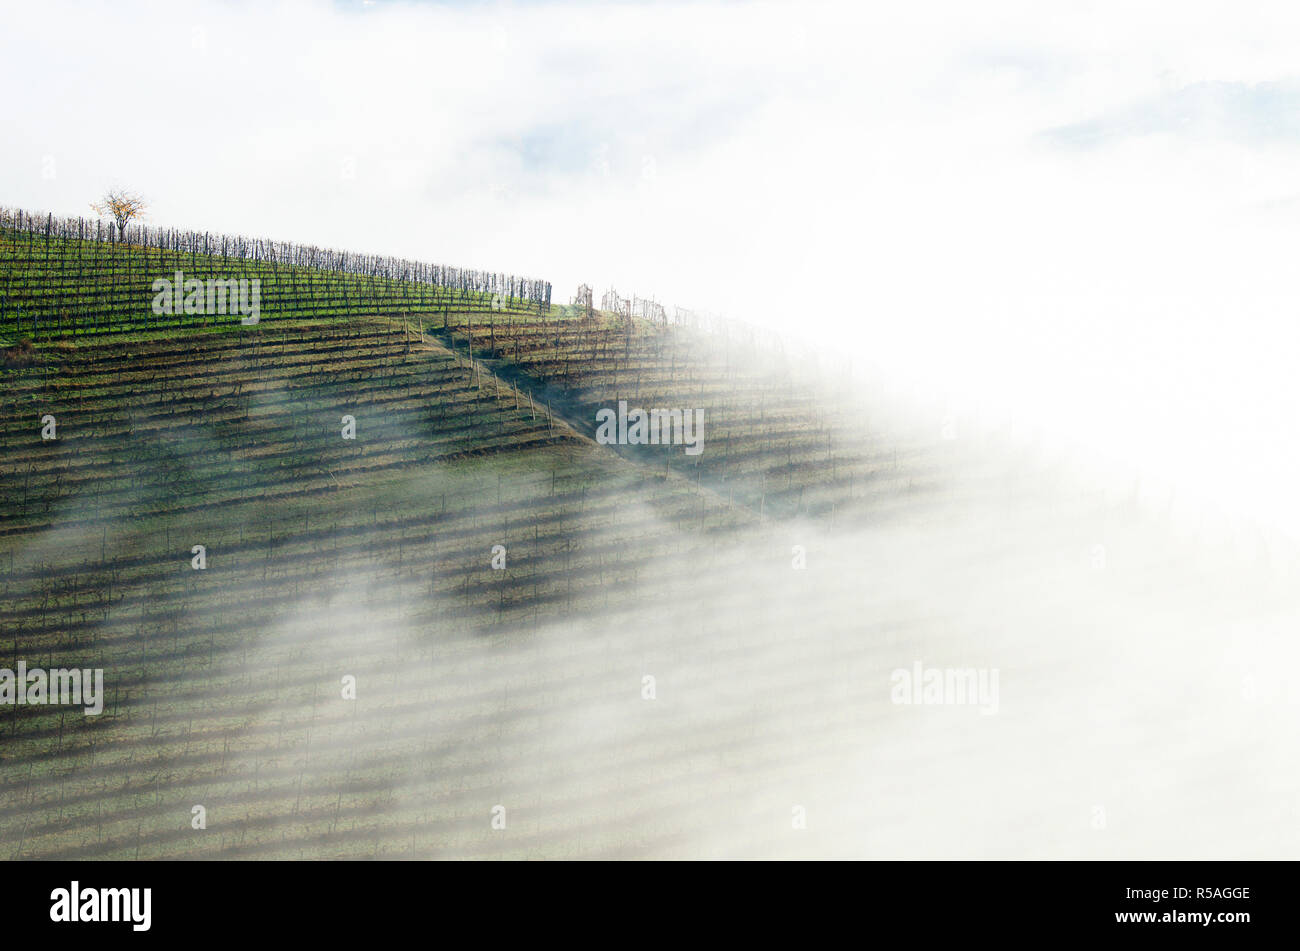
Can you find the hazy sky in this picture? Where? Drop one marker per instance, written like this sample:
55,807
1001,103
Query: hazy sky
1077,216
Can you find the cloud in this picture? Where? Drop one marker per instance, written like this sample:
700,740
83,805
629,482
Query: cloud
1252,114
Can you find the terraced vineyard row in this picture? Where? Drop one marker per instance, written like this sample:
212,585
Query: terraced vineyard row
53,286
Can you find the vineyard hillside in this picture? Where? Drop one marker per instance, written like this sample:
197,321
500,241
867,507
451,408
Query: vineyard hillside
363,582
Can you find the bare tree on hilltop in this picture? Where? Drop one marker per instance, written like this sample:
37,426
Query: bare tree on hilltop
122,206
